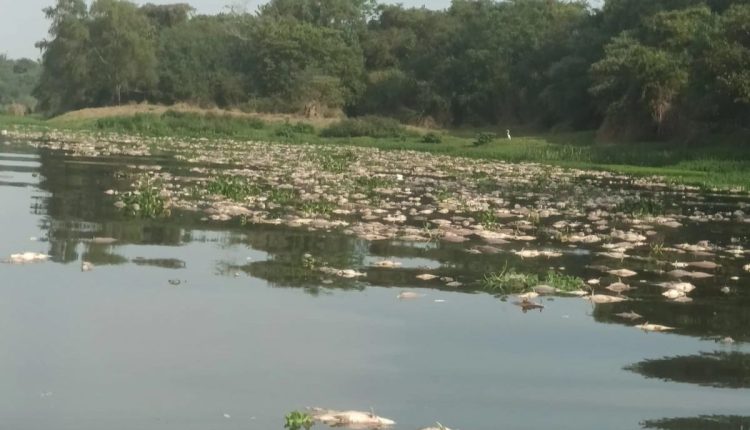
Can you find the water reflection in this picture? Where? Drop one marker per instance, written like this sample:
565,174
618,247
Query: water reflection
703,422
713,369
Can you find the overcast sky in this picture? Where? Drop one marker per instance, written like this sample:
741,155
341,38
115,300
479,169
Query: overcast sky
22,22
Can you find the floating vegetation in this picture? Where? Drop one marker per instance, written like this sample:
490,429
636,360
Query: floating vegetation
146,202
297,420
233,187
509,281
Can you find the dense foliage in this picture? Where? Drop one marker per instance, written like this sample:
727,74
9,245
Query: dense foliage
634,68
17,80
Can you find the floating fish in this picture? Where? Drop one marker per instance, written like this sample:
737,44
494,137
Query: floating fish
708,265
426,277
527,305
408,295
622,273
619,287
673,294
27,258
654,327
629,315
603,298
348,418
387,264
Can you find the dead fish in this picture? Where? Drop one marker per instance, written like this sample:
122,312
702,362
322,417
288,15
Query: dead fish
103,240
685,287
528,305
700,275
578,293
673,294
345,418
619,287
437,426
86,266
599,268
726,341
426,277
454,284
27,258
746,267
527,253
678,273
528,296
622,273
683,299
408,295
594,281
387,264
629,315
654,327
349,274
485,249
708,265
603,298
544,289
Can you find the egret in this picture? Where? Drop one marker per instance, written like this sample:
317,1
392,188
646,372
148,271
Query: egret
508,133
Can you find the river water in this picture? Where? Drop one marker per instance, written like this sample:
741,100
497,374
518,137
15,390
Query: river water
189,324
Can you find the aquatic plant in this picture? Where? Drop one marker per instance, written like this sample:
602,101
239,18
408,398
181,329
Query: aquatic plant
282,196
487,219
641,207
145,202
296,420
316,208
234,188
510,281
334,162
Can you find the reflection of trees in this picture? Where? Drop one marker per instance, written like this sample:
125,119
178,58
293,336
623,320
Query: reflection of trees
76,209
704,422
715,369
727,316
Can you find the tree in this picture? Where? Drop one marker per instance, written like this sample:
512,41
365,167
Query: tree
123,51
65,60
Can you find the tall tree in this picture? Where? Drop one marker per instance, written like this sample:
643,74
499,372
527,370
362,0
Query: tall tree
65,60
123,51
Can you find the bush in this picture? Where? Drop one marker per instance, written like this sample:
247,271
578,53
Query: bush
367,126
432,138
290,130
484,139
185,123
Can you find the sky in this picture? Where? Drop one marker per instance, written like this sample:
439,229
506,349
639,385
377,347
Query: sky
22,23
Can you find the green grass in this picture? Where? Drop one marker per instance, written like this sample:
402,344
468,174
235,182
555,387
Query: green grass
144,203
718,163
510,281
234,188
175,123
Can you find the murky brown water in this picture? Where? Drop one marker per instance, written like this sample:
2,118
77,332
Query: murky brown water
186,323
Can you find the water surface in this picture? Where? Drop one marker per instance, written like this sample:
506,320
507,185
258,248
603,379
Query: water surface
190,324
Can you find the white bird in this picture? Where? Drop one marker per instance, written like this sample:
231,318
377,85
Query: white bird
508,133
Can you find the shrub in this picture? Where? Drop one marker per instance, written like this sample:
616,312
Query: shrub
290,130
484,139
432,138
367,126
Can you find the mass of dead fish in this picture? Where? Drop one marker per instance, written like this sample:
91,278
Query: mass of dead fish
487,207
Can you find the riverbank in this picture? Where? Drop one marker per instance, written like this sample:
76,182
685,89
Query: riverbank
719,164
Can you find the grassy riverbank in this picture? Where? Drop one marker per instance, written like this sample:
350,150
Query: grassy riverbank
720,163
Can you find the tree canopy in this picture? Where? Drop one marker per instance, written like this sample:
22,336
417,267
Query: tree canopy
633,68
